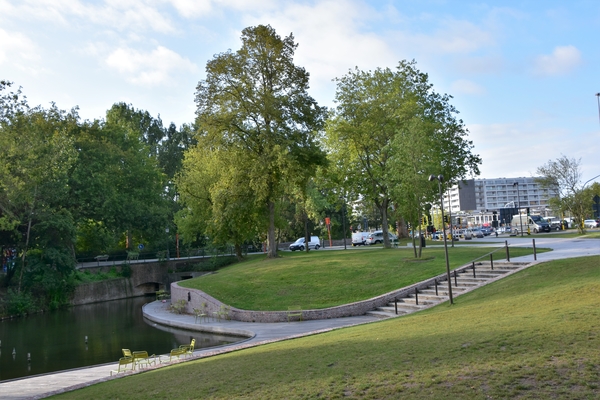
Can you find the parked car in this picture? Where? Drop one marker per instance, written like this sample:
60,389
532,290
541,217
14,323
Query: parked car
377,237
466,234
478,233
486,231
314,243
591,223
359,238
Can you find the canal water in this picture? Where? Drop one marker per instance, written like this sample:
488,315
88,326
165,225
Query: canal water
88,335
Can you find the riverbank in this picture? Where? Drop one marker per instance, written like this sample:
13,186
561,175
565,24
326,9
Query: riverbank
257,334
46,385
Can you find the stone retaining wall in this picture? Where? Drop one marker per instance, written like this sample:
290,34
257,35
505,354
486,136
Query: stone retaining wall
194,298
112,289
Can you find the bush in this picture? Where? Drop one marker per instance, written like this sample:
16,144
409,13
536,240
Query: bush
125,270
19,303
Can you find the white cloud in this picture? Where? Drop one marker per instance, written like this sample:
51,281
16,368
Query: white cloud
453,37
153,68
516,149
192,8
199,8
467,87
16,47
121,15
563,60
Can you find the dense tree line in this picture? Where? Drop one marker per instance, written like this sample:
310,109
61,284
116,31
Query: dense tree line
72,188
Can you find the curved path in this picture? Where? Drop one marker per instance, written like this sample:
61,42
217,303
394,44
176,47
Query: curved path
261,333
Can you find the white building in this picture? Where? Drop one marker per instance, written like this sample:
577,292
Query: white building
493,194
479,201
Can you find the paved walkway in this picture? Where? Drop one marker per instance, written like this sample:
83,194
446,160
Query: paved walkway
260,333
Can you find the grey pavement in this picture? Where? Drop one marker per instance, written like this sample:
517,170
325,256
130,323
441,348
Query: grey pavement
41,386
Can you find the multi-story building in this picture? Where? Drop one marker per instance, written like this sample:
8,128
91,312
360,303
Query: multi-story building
483,196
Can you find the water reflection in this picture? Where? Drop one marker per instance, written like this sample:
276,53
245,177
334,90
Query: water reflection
88,335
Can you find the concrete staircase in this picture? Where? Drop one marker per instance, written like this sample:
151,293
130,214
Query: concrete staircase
435,291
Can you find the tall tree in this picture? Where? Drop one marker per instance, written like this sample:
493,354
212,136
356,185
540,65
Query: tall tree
219,202
35,159
117,185
390,130
255,101
563,177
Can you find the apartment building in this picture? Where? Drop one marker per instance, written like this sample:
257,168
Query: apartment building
485,195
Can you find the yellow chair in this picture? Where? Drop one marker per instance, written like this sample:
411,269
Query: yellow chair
223,312
175,353
188,348
125,363
201,313
142,359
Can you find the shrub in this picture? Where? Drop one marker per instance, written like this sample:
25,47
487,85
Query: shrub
19,303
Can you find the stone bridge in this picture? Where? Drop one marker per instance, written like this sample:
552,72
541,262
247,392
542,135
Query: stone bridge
146,278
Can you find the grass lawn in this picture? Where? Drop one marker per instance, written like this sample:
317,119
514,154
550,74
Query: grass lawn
322,279
533,335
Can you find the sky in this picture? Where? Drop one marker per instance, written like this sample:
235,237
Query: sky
521,73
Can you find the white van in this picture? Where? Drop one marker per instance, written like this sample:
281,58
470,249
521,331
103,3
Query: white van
359,238
531,224
314,243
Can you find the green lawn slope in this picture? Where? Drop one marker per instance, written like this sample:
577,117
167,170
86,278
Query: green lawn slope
322,279
532,335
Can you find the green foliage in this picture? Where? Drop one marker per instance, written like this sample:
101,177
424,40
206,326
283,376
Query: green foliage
125,270
254,111
388,133
178,307
16,303
85,276
562,177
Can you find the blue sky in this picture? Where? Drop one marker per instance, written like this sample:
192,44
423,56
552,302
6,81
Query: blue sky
523,74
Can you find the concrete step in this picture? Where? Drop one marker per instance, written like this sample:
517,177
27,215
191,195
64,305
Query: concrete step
401,306
383,314
464,281
429,296
412,300
469,279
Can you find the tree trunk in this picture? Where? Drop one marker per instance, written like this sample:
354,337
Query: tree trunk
384,224
23,257
272,246
306,233
238,252
24,254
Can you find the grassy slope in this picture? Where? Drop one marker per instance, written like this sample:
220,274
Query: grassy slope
322,279
533,335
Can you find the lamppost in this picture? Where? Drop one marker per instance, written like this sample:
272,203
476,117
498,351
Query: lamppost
440,179
167,232
598,98
450,216
519,206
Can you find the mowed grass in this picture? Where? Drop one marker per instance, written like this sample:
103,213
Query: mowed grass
533,335
322,279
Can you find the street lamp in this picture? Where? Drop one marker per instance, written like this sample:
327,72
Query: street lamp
450,216
519,206
167,232
598,98
440,179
